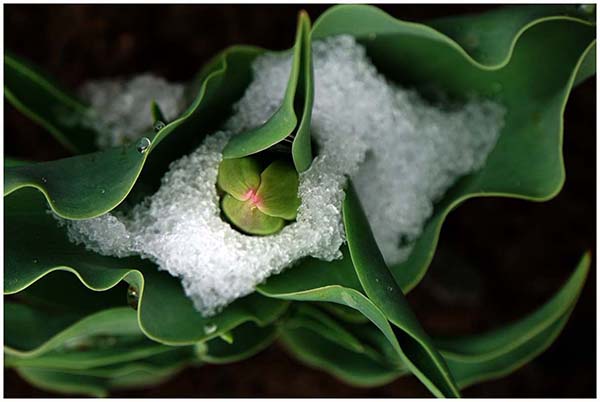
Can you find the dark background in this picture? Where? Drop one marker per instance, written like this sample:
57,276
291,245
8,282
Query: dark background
506,256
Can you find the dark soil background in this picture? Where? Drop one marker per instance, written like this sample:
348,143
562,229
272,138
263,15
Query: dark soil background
498,258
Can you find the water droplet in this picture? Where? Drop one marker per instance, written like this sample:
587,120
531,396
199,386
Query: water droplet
158,125
377,280
210,328
35,260
133,297
390,289
44,180
102,191
143,145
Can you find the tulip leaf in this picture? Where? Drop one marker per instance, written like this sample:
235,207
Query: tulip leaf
89,185
41,247
43,101
526,162
421,356
98,381
283,122
31,333
278,191
301,147
490,37
82,186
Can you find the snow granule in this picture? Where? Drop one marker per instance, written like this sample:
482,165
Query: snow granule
122,107
401,152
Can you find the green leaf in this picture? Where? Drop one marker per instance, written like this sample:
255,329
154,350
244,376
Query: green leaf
31,333
98,381
90,185
284,120
337,282
278,191
305,315
344,313
476,358
421,356
12,162
526,162
490,37
587,67
43,101
246,216
317,351
238,176
301,147
82,186
157,113
119,350
165,314
248,340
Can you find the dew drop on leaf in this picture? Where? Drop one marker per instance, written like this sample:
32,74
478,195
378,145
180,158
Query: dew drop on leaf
143,145
210,328
158,125
44,180
35,260
133,297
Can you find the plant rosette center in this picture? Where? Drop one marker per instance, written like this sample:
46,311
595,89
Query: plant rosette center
256,201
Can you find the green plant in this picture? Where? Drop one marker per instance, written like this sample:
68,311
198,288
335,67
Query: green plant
351,318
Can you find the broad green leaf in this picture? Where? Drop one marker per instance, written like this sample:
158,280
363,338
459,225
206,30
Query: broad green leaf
165,314
123,349
246,216
30,333
337,282
43,101
89,185
216,88
278,191
238,176
301,147
284,120
421,356
490,37
248,340
82,186
526,162
475,358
